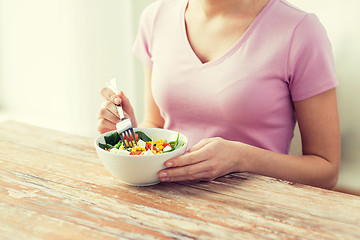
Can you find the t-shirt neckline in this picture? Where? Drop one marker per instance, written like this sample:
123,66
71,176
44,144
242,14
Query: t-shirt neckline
232,49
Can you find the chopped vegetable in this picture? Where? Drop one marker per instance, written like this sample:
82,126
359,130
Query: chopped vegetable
112,139
105,146
132,138
175,144
143,136
145,145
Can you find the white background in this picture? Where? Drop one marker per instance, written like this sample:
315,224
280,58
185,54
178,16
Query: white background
55,55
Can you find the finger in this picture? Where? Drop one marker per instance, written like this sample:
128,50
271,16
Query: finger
200,144
189,158
109,111
109,95
107,115
195,154
104,126
125,102
199,171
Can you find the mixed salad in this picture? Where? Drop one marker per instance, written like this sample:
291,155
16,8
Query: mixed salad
145,145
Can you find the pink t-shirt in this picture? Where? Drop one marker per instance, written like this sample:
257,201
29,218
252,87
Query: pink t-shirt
247,94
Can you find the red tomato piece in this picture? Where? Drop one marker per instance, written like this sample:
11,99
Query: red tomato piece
166,144
132,139
147,146
155,149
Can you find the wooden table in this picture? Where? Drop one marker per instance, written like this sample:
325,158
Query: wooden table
53,186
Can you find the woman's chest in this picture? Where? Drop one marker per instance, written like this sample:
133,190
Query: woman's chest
211,40
239,92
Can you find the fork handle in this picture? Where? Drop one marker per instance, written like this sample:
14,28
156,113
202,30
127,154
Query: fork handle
120,111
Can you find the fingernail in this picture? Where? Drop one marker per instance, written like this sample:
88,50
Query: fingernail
169,164
165,179
117,100
163,174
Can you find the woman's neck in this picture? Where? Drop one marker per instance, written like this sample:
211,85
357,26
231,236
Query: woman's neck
213,8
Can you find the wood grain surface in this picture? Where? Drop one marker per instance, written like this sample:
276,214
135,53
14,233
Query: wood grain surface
53,186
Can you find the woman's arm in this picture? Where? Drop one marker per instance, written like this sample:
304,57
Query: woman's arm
320,134
108,115
318,166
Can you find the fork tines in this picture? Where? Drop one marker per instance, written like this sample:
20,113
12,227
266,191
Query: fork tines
126,133
127,136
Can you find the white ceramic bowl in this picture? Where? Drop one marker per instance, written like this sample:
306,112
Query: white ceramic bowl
139,170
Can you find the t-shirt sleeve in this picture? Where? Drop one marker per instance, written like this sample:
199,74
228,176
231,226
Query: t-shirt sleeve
311,67
143,41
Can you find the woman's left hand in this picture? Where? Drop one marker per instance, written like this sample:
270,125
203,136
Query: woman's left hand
209,159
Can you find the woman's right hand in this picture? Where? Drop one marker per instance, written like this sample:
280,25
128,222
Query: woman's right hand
108,115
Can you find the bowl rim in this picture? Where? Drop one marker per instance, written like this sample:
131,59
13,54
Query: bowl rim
97,139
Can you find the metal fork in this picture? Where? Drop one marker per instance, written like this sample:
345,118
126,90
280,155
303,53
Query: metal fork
123,127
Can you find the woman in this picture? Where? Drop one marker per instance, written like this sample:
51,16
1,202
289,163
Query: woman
234,76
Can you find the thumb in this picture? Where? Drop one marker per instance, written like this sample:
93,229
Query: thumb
125,102
109,95
128,109
199,145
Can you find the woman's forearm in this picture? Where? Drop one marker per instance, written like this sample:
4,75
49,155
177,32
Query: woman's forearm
306,169
149,124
